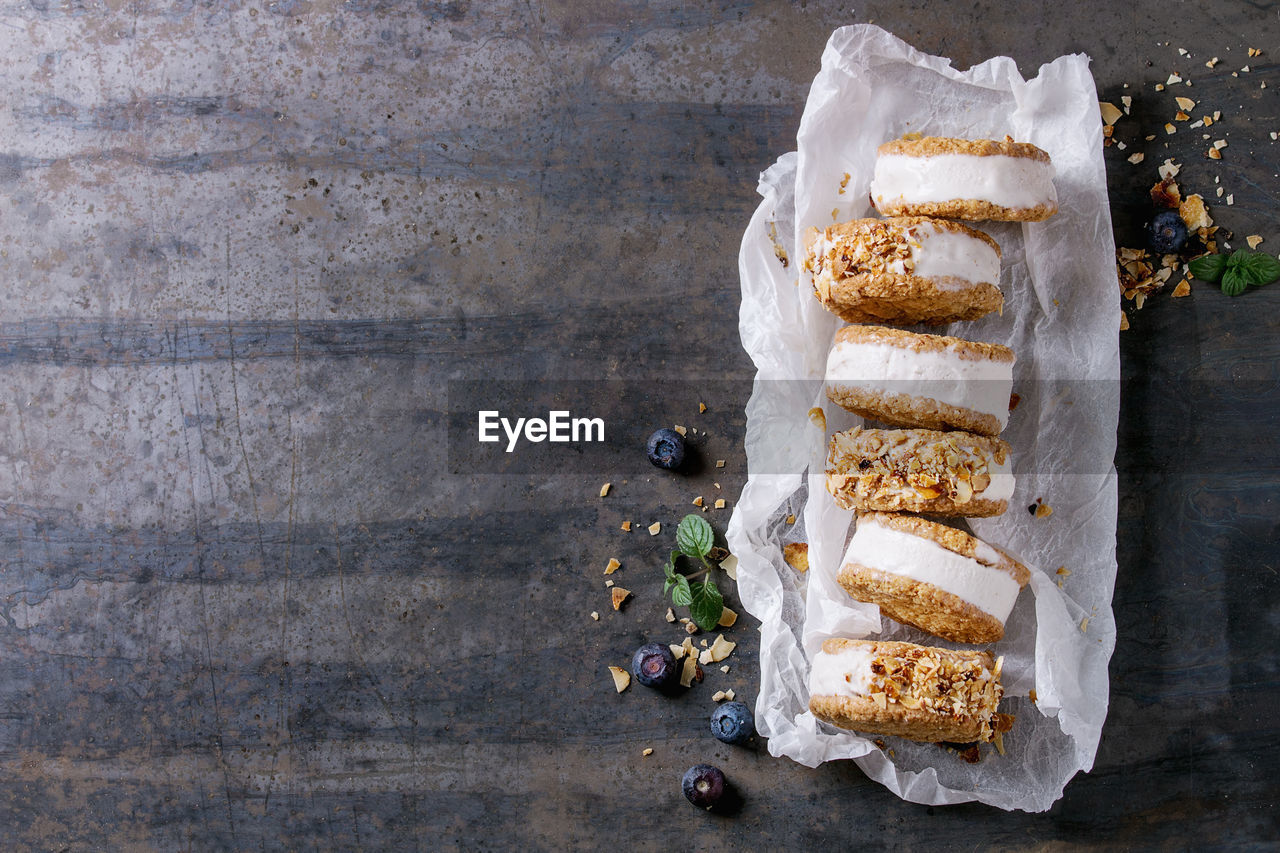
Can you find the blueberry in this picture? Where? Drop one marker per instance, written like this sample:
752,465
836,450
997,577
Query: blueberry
703,785
666,449
1166,233
653,665
732,723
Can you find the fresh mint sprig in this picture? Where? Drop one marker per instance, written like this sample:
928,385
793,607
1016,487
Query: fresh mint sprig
1238,271
695,539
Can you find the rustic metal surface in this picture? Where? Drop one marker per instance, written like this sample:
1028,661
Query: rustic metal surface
246,246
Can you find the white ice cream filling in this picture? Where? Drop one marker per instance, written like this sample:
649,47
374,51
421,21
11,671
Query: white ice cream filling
1015,182
987,588
846,673
982,385
940,253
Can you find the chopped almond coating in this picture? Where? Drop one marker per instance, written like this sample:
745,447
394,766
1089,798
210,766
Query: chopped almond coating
797,555
612,566
621,678
619,595
917,678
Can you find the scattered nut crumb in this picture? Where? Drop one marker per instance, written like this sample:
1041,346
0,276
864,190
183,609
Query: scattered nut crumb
1044,511
619,595
1169,128
704,656
1253,240
1063,570
608,584
1185,103
612,566
719,503
697,501
647,751
1124,321
727,618
1168,169
721,648
1031,694
1253,51
688,671
671,615
1137,158
1110,112
725,669
1182,289
1173,78
1084,624
655,528
1159,87
844,184
797,555
621,678
1211,62
680,429
691,627
730,566
730,695
818,418
719,463
595,615
719,696
626,525
1126,101
604,490
791,519
702,407
1231,199
1181,116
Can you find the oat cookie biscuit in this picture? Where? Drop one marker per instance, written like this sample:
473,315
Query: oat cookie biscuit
904,270
934,577
907,379
964,179
919,470
916,692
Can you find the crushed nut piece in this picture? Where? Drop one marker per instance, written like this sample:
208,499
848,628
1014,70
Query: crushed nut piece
1124,321
1084,624
1031,694
671,615
818,418
691,627
612,566
725,669
655,528
721,648
1253,240
702,407
621,678
608,584
647,751
797,555
1211,62
1194,213
688,671
719,503
704,656
1110,112
1137,158
619,595
727,618
676,651
1126,101
1168,169
604,490
1173,78
1044,511
730,566
719,463
791,518
698,501
595,614
1185,103
1183,289
626,525
729,694
718,696
1169,128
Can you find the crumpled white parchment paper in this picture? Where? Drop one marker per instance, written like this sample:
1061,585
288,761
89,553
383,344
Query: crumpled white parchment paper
1061,317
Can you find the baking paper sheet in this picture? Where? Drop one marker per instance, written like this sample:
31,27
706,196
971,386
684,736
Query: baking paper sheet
1061,317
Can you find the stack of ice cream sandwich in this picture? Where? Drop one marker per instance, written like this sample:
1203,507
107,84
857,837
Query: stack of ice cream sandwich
945,401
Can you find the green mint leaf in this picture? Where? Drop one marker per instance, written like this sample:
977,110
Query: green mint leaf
1233,282
707,604
1259,269
694,536
670,568
681,594
1236,258
1209,267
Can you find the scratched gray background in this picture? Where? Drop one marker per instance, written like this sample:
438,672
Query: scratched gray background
244,248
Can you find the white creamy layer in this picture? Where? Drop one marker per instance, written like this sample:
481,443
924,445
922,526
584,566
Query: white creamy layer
847,673
1017,182
1002,482
879,547
983,386
937,253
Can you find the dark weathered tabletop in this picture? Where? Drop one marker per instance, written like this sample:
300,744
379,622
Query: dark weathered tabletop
249,603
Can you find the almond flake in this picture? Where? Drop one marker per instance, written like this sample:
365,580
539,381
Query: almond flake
626,525
1217,115
608,584
604,490
728,694
697,501
1159,87
730,566
1245,70
1211,62
688,671
647,751
1169,128
719,463
1185,103
797,555
1120,146
1219,144
881,700
621,678
595,615
671,615
1110,112
727,618
1182,51
1196,124
680,429
719,503
725,669
1231,199
619,595
612,566
721,648
702,407
1208,120
1137,158
1127,101
704,657
1173,78
1219,191
655,528
718,696
1253,240
1180,116
1183,289
1169,169
676,651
